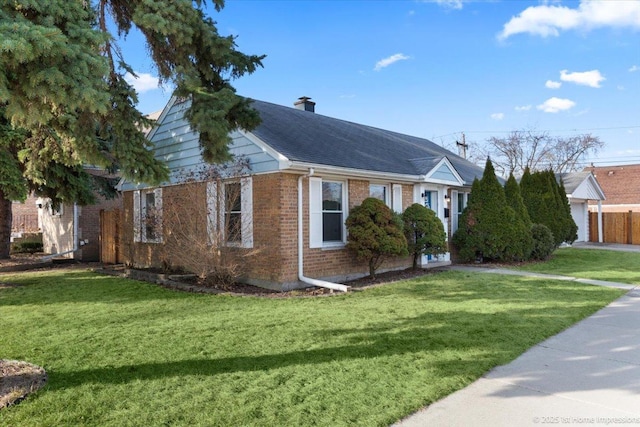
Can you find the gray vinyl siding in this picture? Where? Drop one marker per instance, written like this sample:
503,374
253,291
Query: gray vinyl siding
444,173
177,145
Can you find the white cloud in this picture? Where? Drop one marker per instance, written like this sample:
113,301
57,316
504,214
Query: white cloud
451,4
552,85
390,60
144,83
497,116
634,68
549,20
587,78
523,108
620,87
555,105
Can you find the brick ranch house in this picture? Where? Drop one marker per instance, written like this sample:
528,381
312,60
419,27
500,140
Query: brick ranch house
307,172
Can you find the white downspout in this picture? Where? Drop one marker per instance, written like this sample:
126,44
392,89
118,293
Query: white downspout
301,276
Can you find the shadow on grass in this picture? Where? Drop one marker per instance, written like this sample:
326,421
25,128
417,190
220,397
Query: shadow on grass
79,286
474,342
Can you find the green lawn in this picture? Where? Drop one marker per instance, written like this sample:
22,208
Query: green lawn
126,353
613,266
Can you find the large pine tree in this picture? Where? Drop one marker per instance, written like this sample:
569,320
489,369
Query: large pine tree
64,101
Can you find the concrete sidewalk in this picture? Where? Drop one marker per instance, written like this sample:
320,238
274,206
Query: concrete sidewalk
588,374
607,246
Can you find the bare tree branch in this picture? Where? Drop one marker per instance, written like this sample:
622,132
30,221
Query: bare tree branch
539,151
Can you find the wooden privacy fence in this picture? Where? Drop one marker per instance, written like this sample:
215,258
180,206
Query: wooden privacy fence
617,227
25,223
110,252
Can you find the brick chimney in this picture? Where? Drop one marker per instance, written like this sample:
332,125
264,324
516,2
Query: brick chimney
305,103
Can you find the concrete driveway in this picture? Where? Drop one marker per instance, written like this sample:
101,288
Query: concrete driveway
588,374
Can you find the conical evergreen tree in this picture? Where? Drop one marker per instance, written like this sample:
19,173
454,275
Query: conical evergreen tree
489,229
514,199
547,204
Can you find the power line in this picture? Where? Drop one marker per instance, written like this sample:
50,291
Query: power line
540,130
557,130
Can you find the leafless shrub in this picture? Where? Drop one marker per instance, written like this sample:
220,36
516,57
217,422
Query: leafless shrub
203,225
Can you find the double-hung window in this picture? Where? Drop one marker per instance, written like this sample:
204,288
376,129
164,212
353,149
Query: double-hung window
230,213
327,212
392,198
233,212
147,215
460,201
380,191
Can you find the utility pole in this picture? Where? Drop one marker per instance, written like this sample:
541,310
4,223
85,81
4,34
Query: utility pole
462,147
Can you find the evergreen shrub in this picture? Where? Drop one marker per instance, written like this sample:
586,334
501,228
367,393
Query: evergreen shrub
543,242
375,233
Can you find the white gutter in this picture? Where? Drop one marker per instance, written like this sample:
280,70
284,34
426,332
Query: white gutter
76,245
349,172
301,276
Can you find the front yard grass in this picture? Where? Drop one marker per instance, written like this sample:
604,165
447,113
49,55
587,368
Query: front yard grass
598,264
125,353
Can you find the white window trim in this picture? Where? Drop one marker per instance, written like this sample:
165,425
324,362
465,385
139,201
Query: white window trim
137,223
397,198
139,212
215,219
316,211
212,211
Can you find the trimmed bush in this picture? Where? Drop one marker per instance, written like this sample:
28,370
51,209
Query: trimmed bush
26,247
424,232
543,243
375,233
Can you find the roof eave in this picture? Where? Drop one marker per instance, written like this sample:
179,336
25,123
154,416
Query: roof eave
304,167
283,161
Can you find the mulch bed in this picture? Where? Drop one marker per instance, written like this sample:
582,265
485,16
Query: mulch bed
192,284
19,379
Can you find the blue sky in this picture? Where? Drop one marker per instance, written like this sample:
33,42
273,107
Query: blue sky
438,68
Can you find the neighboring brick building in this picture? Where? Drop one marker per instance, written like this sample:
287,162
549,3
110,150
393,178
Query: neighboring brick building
621,185
297,159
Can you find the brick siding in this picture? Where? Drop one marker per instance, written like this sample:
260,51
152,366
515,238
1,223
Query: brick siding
275,234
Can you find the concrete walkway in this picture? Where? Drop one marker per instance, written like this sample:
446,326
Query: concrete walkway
588,374
607,246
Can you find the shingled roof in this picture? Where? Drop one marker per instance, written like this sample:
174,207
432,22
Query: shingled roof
308,137
620,183
581,185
